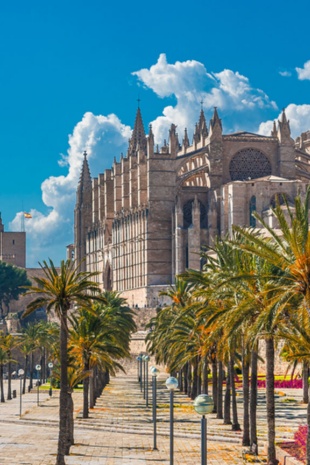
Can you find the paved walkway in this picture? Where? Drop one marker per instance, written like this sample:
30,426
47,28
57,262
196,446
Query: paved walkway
120,430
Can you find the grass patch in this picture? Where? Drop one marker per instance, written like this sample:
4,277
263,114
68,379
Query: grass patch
289,400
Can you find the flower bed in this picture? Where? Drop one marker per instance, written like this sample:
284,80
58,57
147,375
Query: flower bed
296,448
283,383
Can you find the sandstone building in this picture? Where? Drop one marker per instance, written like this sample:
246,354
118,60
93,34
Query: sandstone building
12,247
145,220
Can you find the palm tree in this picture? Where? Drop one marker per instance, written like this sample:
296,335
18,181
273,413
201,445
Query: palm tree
30,342
3,361
8,342
58,291
286,249
93,342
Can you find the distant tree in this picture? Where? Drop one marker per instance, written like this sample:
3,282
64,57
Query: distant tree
13,282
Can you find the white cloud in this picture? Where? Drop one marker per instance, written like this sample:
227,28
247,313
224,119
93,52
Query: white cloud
299,117
48,234
189,82
304,73
285,73
241,106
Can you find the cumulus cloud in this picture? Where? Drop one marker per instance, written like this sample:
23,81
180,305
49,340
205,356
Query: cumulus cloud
241,106
190,83
285,73
299,117
304,73
102,137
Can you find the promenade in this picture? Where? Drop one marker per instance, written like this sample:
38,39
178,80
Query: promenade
120,430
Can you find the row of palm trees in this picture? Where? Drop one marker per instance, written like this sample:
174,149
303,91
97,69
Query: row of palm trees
254,288
36,342
87,343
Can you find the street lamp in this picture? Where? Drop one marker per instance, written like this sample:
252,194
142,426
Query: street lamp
146,383
139,358
20,374
203,404
154,373
38,368
50,365
138,367
143,378
172,384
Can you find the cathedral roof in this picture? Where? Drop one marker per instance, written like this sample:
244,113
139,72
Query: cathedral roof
245,134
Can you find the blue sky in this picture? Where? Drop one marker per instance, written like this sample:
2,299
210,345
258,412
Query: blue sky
77,68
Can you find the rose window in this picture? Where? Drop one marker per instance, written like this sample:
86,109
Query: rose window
249,164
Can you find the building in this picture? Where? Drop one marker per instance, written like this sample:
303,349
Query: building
12,247
145,220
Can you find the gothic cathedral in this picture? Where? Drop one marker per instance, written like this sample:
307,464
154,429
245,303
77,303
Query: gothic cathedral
146,219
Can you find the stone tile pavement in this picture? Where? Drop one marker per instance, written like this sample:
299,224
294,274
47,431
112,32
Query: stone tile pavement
120,430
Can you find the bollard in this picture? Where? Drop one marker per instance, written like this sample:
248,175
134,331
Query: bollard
14,393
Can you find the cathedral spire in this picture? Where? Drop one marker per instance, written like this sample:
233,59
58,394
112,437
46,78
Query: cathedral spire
274,132
215,125
202,125
138,138
284,132
85,179
173,140
85,173
185,140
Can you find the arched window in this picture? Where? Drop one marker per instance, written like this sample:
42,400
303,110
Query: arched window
252,210
249,164
187,215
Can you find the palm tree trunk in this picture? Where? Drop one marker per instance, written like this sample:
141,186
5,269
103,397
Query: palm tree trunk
63,439
205,375
227,418
25,373
70,420
246,396
92,389
85,391
9,397
185,378
253,402
305,383
1,384
181,380
31,371
199,372
235,424
214,383
270,404
189,379
194,391
220,392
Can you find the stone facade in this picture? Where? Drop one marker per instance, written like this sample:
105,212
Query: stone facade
12,247
146,219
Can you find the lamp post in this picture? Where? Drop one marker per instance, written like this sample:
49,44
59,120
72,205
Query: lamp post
50,365
203,404
146,383
154,373
143,378
20,374
38,368
139,358
138,367
172,384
